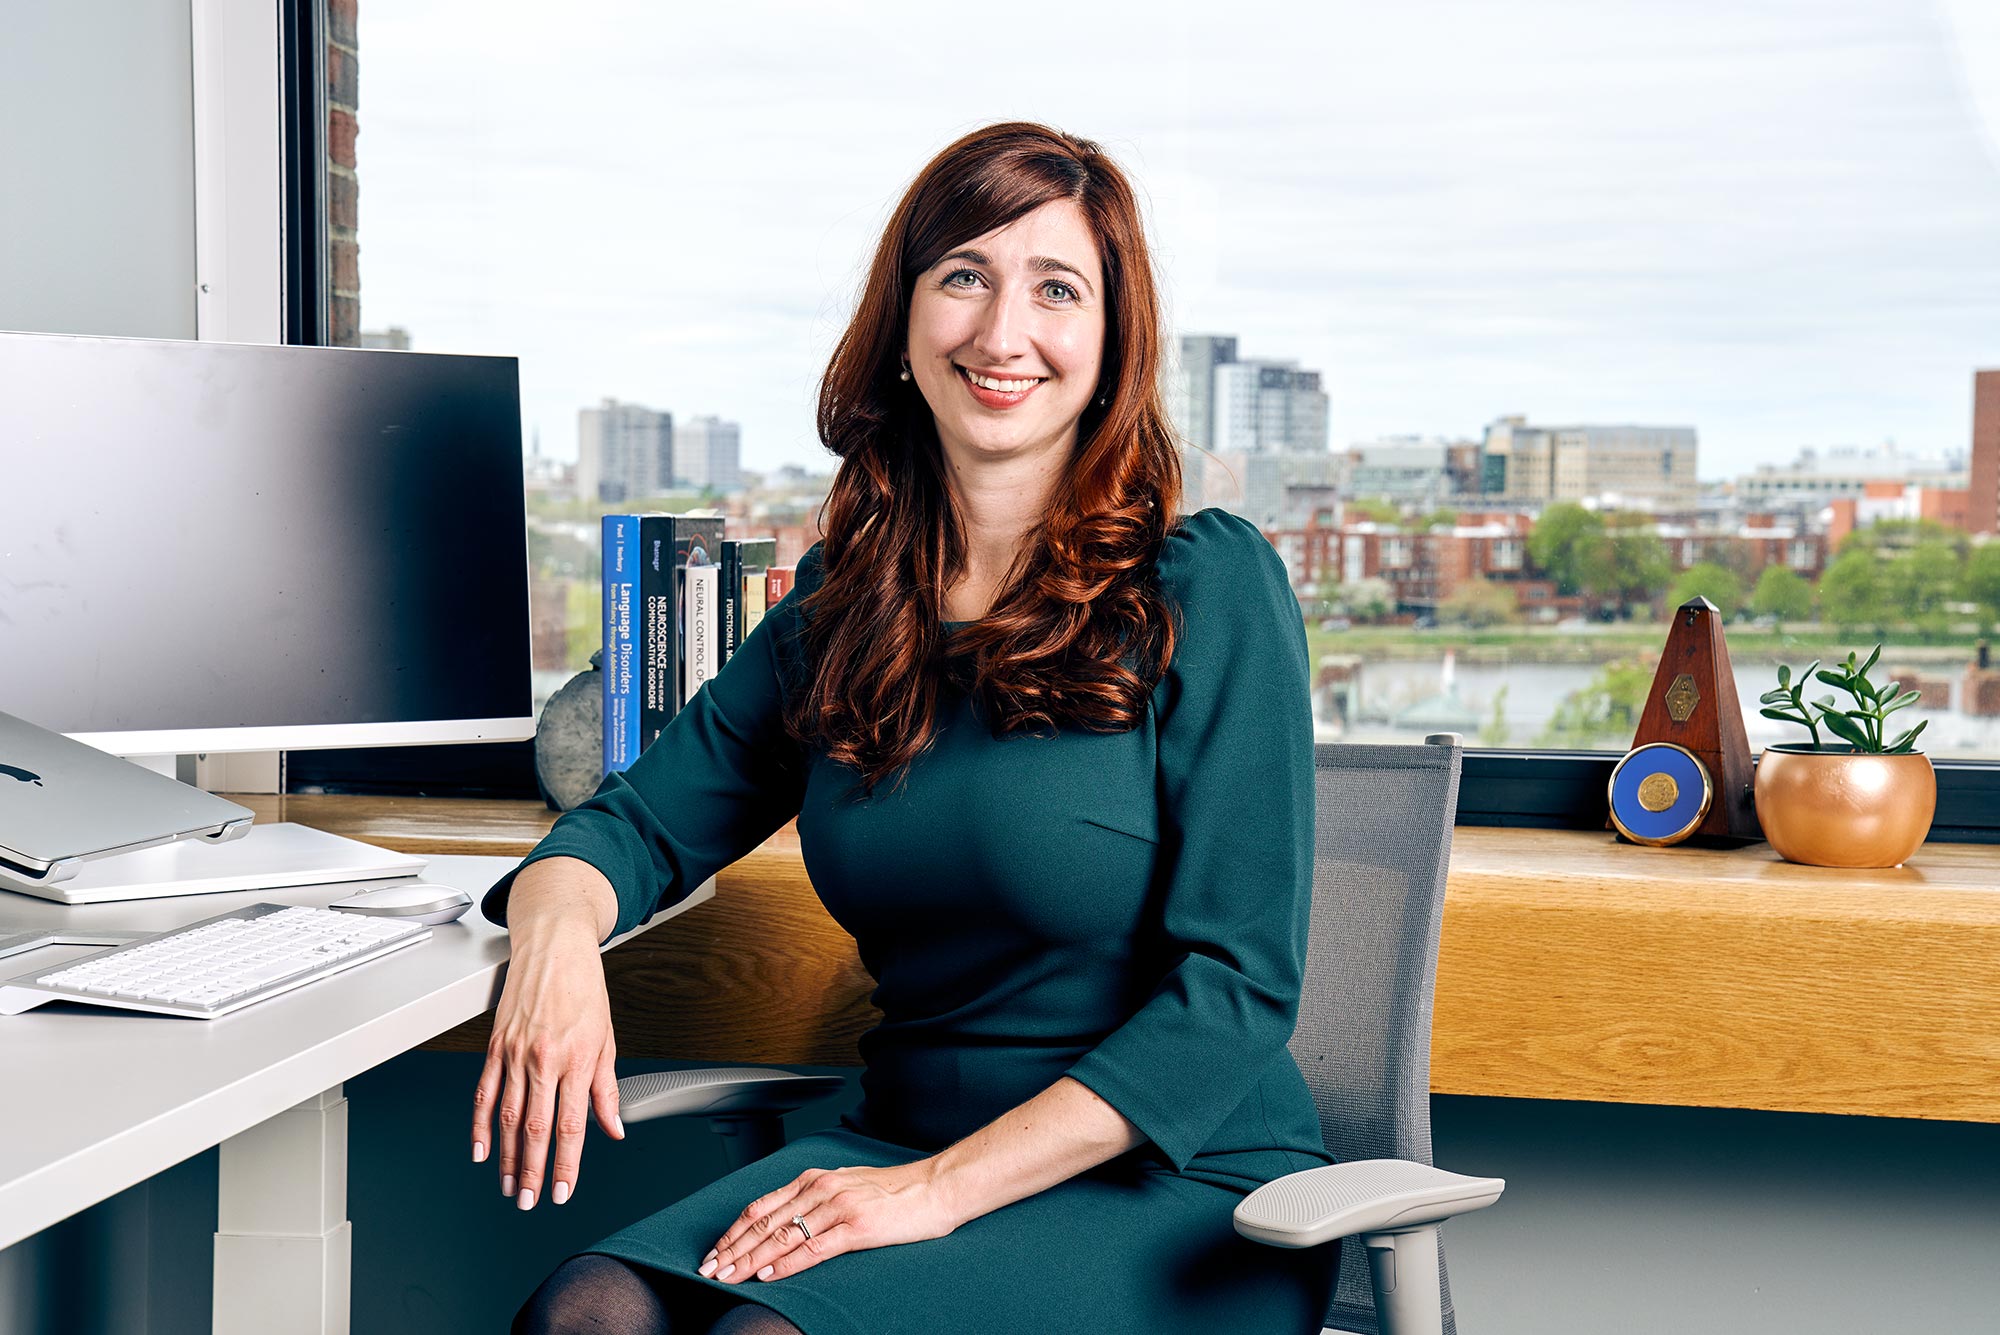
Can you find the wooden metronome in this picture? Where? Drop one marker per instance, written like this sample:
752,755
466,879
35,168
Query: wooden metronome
1688,774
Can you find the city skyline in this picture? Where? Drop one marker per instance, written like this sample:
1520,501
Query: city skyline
1774,223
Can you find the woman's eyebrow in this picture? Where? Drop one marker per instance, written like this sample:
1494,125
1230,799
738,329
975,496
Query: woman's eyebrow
1040,263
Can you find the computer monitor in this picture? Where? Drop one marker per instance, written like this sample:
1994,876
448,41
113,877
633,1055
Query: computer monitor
232,547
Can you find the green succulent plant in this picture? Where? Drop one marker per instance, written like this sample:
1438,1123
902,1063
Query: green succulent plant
1862,726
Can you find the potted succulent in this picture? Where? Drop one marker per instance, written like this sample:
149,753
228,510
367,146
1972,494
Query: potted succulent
1863,800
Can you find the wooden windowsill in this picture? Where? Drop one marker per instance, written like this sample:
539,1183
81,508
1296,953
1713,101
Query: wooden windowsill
1571,967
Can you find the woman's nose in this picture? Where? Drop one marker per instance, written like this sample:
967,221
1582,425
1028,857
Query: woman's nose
998,332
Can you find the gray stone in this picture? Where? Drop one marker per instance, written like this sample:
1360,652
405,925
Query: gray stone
569,740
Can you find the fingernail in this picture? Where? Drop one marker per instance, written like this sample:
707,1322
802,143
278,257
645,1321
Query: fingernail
506,1184
527,1200
765,1273
727,1271
711,1254
618,1122
479,1151
560,1194
706,1266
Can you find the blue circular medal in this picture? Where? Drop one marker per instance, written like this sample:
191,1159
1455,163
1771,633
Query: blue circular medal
1659,794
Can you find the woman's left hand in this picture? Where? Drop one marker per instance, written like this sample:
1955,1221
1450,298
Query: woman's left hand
845,1209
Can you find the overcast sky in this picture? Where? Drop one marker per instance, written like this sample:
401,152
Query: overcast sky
1776,221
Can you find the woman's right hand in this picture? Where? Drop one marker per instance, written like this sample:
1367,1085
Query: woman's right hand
550,1059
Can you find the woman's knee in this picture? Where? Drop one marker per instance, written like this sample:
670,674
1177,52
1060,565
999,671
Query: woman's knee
593,1295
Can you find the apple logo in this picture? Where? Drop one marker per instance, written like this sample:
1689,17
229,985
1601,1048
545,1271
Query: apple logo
23,775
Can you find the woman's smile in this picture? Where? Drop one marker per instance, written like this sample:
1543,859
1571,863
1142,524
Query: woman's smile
986,389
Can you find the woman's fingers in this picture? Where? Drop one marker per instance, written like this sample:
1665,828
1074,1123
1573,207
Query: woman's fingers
484,1094
572,1116
782,1247
538,1115
827,1242
509,1113
757,1220
604,1092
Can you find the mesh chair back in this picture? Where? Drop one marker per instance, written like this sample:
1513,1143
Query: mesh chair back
1382,843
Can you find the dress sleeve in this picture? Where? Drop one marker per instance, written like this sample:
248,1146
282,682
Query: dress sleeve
1236,793
721,777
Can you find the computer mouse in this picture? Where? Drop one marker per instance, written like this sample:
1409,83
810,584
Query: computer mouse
424,901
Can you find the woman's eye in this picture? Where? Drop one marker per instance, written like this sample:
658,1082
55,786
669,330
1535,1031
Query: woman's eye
1064,286
951,279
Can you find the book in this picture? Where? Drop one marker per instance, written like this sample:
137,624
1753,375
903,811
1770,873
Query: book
620,534
778,583
697,542
755,556
729,599
700,590
668,543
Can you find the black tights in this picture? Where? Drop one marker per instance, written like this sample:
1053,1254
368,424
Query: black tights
601,1295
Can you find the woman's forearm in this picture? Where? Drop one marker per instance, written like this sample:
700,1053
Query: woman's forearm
1062,1131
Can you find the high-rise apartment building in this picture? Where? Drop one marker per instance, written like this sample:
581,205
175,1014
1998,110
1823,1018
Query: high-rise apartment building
708,453
1191,400
1983,508
1637,466
1267,407
624,452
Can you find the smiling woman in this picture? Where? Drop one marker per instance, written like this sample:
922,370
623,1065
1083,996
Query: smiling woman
1087,931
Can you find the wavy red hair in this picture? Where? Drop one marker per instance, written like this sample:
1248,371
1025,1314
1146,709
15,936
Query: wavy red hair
1079,632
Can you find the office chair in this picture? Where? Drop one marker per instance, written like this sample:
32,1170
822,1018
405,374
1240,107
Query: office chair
1381,846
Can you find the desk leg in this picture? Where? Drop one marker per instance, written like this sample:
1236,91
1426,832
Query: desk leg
283,1244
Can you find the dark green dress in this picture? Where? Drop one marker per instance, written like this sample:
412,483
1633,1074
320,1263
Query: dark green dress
1128,909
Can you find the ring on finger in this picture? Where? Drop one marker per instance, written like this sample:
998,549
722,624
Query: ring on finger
799,1221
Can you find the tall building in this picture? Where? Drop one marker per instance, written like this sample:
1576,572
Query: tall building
1983,508
1267,407
624,452
1192,398
708,452
1625,465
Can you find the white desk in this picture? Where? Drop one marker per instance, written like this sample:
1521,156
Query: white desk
100,1100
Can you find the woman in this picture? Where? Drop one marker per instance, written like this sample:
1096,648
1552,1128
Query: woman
1050,755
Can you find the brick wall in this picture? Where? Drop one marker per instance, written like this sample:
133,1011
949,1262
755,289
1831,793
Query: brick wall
343,187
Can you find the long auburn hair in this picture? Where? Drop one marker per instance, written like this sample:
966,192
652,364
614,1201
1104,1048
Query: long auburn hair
1081,595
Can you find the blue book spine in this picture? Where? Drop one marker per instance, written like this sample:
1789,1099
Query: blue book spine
621,695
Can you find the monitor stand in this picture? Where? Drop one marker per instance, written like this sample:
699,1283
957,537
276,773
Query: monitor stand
266,857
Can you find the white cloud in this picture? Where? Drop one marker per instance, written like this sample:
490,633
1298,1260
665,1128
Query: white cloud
1776,221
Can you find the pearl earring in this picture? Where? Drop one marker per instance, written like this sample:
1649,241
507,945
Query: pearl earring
906,371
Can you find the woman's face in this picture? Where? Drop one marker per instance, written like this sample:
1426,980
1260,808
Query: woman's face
1023,303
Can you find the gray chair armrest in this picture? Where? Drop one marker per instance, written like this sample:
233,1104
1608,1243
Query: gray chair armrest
1317,1205
720,1091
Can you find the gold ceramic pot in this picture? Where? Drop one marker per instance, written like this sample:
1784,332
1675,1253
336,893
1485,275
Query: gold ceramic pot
1845,808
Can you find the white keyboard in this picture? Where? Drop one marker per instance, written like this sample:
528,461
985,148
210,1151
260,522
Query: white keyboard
224,963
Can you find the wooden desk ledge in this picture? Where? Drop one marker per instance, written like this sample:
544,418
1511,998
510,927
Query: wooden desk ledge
1571,967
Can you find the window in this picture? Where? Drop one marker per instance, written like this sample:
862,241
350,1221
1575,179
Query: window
1590,324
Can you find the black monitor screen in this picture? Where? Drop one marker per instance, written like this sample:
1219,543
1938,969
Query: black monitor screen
218,536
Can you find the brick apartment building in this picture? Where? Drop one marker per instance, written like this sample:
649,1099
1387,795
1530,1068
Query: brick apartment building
1424,569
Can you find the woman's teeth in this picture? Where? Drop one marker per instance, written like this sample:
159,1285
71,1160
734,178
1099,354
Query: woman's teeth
1000,386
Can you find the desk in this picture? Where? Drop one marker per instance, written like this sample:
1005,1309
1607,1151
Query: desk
1571,967
116,1096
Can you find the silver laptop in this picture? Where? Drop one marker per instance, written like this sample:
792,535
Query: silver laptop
62,802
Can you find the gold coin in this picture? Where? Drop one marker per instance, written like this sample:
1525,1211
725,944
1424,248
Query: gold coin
1657,792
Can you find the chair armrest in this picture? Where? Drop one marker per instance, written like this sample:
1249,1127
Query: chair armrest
719,1091
1317,1205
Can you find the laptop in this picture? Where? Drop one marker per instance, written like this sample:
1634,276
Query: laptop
63,802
